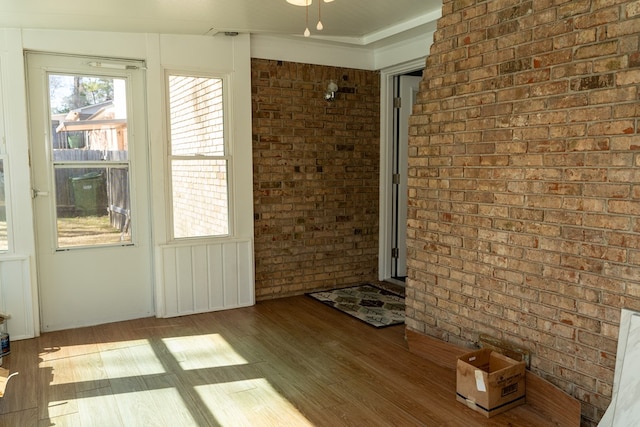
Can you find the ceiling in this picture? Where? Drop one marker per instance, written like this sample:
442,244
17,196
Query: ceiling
358,22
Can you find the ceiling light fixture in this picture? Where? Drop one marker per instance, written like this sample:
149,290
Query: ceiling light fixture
307,3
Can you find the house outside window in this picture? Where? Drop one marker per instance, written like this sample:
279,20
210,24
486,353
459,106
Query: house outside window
198,156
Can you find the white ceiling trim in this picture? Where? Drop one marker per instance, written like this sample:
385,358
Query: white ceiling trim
386,33
311,51
427,19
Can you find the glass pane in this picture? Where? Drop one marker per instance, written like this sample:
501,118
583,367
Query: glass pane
196,116
200,199
92,206
89,126
4,238
88,114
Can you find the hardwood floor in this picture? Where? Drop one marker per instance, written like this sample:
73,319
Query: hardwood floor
286,362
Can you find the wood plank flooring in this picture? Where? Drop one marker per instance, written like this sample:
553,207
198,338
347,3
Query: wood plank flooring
285,362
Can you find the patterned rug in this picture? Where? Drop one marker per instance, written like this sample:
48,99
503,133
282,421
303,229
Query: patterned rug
371,304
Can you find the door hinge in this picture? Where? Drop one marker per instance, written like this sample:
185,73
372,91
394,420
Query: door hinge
395,252
397,102
395,179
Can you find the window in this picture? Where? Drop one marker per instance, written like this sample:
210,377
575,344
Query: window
89,154
198,157
4,232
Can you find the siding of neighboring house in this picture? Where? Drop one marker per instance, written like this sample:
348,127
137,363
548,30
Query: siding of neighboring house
316,166
524,184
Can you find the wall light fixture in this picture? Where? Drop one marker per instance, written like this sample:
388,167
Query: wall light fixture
330,93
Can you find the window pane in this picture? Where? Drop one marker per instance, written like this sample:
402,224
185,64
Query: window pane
92,206
89,127
88,114
200,199
196,116
4,240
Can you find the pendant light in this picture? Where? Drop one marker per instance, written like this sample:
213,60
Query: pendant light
306,4
307,33
319,27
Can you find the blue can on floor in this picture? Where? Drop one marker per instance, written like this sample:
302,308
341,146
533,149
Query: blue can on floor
5,344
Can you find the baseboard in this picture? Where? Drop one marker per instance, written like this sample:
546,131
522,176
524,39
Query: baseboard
439,352
558,406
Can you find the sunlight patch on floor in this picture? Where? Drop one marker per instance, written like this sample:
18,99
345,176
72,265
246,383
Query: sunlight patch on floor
184,380
164,406
203,351
134,361
251,402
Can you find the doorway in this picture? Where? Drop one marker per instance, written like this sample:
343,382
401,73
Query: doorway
400,87
407,87
89,174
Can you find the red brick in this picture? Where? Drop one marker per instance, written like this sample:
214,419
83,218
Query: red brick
628,77
552,29
573,8
609,64
632,9
537,182
310,123
575,38
624,207
623,28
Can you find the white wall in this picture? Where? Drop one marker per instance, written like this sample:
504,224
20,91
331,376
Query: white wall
406,51
226,55
18,296
220,55
185,270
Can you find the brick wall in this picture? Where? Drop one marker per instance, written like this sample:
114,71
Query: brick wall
316,166
524,181
200,196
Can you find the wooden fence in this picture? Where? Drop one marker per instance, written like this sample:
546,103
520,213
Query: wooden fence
82,191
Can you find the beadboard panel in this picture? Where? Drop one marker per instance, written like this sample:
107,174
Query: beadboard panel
16,298
207,277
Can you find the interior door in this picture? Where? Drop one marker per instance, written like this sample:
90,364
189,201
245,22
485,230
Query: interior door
407,89
88,149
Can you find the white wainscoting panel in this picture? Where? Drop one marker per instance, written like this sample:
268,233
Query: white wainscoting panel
15,297
207,277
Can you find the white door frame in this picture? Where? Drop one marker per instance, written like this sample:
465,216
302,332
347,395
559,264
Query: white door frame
386,161
119,275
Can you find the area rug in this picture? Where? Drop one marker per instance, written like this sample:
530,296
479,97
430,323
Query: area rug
371,304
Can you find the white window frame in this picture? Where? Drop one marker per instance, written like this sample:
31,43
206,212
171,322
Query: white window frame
227,157
7,203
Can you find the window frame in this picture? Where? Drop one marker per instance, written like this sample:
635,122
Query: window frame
227,157
4,159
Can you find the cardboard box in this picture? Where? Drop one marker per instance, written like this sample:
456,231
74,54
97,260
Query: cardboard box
490,383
